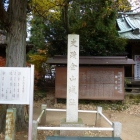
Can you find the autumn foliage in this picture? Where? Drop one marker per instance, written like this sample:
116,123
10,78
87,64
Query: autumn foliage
46,8
39,60
2,61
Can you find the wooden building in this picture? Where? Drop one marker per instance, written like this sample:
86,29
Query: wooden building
129,28
100,78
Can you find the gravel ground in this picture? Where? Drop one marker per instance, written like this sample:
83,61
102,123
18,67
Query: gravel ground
130,119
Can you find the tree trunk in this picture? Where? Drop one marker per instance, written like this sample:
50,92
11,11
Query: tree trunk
65,16
16,51
16,36
2,117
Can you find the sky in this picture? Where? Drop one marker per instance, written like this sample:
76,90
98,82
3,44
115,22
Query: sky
135,5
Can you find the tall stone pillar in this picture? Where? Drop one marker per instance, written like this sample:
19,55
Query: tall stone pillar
72,78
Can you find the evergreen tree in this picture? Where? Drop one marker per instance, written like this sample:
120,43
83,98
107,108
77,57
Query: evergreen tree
37,33
97,28
93,20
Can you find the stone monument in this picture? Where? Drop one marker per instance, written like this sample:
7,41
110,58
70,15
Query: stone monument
72,119
72,78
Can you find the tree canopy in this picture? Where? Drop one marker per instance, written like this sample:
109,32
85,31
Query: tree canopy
94,21
49,9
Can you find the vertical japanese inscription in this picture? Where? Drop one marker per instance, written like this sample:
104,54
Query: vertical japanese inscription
98,83
14,85
137,67
118,82
72,78
73,54
9,125
2,73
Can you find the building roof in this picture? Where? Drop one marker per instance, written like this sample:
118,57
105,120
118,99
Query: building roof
129,25
93,60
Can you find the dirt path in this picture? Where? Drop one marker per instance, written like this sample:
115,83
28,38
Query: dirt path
129,118
130,122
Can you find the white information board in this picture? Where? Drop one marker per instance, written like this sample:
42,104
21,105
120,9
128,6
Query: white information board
137,67
15,85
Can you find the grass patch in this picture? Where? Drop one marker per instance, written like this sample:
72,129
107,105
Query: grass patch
113,105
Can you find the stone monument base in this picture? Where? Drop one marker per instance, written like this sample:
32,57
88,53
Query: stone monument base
63,123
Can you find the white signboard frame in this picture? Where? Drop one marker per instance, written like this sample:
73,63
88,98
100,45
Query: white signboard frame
16,87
